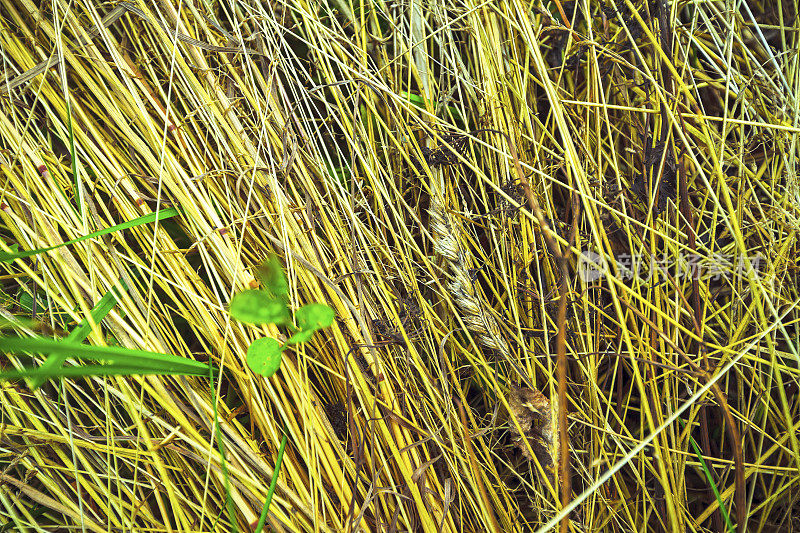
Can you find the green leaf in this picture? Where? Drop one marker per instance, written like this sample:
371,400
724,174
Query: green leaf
309,319
25,300
272,278
301,336
264,356
26,303
257,307
314,316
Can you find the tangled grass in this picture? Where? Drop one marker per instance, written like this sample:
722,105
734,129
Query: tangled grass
441,174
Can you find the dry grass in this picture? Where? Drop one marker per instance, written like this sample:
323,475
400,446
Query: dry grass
658,134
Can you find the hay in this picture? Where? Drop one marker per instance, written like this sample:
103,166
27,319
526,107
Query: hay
443,175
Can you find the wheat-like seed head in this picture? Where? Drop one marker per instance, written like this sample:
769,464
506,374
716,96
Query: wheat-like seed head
479,320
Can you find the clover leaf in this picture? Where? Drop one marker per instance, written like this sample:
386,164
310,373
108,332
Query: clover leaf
264,356
309,319
257,307
272,278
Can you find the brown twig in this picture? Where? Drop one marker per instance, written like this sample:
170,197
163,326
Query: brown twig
561,353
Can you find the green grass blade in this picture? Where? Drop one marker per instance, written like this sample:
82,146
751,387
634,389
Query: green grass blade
6,323
7,257
223,460
93,370
101,309
115,354
79,334
713,485
263,518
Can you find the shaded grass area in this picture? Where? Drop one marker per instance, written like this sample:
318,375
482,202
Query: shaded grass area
440,174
